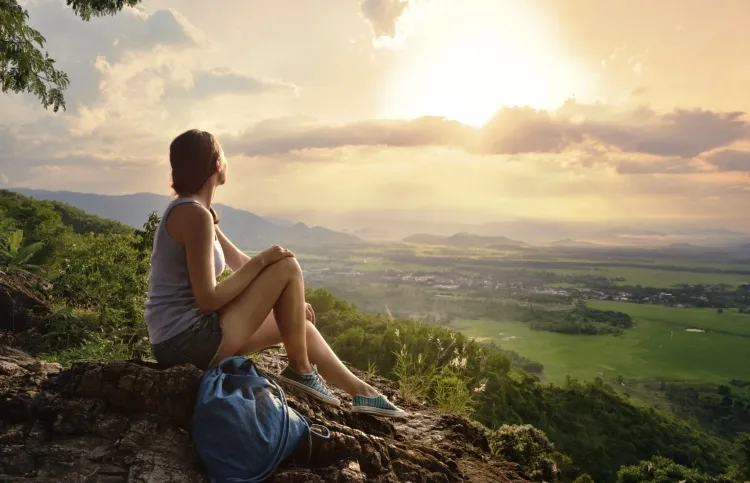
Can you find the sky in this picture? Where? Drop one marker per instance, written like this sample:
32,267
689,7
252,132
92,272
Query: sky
334,112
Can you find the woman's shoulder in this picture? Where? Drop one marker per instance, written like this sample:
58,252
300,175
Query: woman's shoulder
192,211
188,218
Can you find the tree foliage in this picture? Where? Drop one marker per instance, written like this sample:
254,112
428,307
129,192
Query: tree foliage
663,470
98,8
15,255
24,64
529,447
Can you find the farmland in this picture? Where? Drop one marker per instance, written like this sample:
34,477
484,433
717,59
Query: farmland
658,348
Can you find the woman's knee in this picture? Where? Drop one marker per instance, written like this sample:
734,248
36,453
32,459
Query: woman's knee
288,266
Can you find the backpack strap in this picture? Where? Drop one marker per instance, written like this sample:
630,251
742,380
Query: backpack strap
317,430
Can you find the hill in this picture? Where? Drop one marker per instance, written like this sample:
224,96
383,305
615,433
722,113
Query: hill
465,240
87,314
17,206
246,229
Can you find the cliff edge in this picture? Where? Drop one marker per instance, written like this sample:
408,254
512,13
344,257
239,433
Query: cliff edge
128,421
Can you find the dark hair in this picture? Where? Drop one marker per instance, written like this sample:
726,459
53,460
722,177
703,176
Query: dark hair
193,156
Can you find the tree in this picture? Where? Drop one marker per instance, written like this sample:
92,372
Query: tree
143,240
24,66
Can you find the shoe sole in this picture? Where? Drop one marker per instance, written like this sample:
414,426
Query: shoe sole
378,412
311,391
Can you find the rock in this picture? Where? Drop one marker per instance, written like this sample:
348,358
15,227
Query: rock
129,422
22,301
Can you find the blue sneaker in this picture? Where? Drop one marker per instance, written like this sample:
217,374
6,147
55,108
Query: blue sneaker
377,406
311,383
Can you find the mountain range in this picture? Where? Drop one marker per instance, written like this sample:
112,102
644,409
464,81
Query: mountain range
251,231
465,240
546,233
245,229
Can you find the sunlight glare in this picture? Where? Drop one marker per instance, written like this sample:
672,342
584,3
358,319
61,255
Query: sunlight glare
465,66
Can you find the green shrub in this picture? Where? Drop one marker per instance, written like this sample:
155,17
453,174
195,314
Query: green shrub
530,448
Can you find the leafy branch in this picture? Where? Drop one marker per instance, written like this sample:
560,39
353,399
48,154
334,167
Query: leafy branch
24,65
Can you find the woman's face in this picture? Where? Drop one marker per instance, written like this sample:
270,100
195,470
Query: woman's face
221,177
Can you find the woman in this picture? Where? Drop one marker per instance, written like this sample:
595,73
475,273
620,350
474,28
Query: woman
193,319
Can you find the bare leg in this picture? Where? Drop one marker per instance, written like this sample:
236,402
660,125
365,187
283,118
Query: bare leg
279,287
329,365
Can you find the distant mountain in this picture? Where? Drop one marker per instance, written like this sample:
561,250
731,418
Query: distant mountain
468,240
246,229
278,221
372,234
569,243
543,232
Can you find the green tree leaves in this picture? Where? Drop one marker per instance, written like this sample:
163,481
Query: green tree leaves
15,256
24,65
98,8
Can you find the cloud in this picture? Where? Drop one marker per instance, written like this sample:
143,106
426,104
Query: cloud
141,71
730,160
678,134
655,165
525,130
280,136
163,27
44,146
75,45
383,15
209,83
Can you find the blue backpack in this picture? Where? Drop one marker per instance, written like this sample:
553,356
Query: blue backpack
243,427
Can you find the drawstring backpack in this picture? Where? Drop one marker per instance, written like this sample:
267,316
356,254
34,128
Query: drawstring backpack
243,427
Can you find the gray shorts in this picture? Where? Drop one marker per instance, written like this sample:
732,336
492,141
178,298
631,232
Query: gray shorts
196,345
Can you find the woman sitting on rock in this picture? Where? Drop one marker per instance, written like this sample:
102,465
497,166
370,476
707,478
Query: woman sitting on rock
193,319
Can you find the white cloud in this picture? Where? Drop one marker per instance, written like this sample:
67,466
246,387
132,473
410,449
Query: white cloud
383,15
391,21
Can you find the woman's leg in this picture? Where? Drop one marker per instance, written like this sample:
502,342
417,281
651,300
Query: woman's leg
320,353
279,287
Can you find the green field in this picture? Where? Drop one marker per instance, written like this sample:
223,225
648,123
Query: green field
648,277
658,348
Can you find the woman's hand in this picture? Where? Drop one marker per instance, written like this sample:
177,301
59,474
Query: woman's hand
309,313
272,255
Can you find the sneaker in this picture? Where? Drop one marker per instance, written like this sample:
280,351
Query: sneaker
311,383
377,406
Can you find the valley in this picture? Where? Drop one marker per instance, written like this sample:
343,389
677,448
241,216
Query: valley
690,312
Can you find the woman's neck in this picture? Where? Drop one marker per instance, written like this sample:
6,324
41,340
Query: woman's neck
205,196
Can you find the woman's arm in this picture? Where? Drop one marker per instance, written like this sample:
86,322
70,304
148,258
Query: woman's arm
234,256
194,227
236,259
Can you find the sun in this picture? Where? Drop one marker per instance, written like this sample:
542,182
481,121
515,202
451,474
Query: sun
468,61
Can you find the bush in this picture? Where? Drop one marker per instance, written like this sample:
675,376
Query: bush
663,470
530,448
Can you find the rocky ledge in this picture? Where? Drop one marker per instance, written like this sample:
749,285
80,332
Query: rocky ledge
127,421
